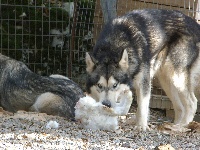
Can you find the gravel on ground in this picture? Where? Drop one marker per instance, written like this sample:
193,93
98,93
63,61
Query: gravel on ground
27,130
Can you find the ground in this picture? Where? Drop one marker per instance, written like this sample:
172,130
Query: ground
27,130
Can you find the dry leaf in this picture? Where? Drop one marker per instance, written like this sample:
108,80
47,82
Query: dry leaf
169,128
164,147
194,126
141,148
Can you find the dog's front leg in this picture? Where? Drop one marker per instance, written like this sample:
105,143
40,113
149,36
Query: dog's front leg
143,93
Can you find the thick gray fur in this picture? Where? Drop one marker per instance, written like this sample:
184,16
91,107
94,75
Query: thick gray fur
160,43
20,88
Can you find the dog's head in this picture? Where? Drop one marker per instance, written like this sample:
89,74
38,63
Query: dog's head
108,76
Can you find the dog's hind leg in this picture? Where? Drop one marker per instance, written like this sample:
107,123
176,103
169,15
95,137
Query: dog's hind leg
49,103
181,81
189,102
169,83
177,89
173,95
187,95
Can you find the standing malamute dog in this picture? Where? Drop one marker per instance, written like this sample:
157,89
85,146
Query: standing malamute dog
21,89
134,48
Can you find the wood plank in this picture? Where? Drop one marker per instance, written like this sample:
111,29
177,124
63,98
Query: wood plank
187,8
174,3
123,6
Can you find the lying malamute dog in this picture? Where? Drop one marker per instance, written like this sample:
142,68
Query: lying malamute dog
94,115
134,48
21,89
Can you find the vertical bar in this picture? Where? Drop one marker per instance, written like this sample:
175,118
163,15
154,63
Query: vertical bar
72,42
1,28
109,9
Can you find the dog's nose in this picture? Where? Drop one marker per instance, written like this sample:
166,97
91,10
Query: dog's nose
106,103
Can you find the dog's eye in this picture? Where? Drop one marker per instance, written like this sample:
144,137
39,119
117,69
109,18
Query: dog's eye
115,85
99,86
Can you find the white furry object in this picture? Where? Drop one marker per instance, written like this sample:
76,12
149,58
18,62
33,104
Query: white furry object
89,113
94,115
52,125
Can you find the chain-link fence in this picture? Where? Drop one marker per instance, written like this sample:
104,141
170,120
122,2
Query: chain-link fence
52,36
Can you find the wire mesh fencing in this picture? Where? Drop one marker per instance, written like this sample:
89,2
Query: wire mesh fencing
49,36
52,36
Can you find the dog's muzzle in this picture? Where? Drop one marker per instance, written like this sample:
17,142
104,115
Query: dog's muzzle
106,103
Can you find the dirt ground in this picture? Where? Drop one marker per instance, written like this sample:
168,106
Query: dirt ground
27,130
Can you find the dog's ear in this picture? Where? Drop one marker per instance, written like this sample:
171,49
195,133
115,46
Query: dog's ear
123,63
90,62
